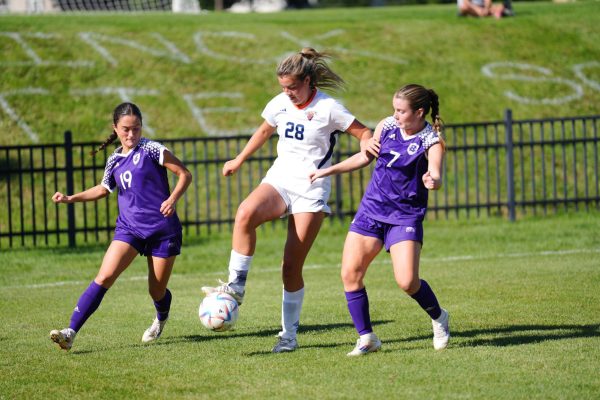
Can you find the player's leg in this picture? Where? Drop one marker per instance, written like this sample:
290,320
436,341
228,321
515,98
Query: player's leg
405,259
303,229
159,272
359,251
117,258
497,11
263,204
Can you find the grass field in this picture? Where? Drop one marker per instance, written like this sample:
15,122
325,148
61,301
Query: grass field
212,74
523,298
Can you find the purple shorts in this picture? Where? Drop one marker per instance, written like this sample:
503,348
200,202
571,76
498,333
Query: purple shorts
389,234
163,248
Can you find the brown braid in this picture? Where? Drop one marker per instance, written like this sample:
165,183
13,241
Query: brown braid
108,141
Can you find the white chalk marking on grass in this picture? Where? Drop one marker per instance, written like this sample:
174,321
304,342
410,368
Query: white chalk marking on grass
12,113
547,76
321,266
17,37
36,60
352,52
237,36
578,69
125,95
199,113
94,39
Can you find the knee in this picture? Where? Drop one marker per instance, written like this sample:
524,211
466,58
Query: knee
351,278
105,280
244,215
409,286
466,9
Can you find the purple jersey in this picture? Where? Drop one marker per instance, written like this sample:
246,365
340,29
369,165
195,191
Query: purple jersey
143,186
396,194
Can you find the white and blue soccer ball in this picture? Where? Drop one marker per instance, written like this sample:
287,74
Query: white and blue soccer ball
218,312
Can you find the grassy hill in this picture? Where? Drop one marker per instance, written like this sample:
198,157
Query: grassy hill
212,74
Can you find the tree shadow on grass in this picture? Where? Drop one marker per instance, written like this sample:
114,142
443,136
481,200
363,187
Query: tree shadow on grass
512,335
268,332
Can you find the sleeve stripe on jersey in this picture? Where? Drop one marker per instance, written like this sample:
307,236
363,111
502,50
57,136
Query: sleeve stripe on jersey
332,141
106,187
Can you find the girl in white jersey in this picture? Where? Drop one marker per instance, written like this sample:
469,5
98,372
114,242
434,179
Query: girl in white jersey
307,121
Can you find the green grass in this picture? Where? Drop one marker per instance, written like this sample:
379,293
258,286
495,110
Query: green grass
376,50
524,316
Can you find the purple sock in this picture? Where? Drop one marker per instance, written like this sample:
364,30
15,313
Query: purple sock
358,305
88,303
163,306
427,300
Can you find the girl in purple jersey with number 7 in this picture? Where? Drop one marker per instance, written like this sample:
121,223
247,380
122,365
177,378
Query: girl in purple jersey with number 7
147,223
391,212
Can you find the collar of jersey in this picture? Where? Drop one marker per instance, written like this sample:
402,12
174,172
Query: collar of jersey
119,150
426,129
305,104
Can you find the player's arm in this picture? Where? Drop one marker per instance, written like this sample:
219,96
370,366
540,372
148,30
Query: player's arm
91,194
358,160
432,179
184,178
362,133
258,138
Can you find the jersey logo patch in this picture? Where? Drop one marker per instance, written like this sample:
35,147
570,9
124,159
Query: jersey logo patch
136,158
310,115
392,136
412,149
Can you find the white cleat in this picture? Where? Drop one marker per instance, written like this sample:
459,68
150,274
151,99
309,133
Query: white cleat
366,344
441,331
64,338
285,345
225,288
154,331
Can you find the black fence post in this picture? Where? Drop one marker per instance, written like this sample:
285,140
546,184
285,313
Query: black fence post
510,166
70,186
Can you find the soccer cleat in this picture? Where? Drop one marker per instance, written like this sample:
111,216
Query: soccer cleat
441,331
225,288
63,338
285,345
366,344
154,331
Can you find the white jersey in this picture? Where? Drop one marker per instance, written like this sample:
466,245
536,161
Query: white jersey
306,141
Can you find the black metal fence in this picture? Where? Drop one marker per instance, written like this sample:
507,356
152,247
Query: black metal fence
503,169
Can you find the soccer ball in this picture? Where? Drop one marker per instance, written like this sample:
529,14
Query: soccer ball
218,312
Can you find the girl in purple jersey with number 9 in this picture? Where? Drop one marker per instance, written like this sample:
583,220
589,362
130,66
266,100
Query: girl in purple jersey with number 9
147,223
391,212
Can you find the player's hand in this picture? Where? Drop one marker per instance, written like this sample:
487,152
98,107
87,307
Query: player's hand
167,208
373,147
430,182
231,167
60,198
313,176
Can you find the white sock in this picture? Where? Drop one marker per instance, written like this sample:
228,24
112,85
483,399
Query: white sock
290,313
368,337
239,265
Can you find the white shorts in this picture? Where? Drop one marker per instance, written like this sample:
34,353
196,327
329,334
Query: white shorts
296,203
